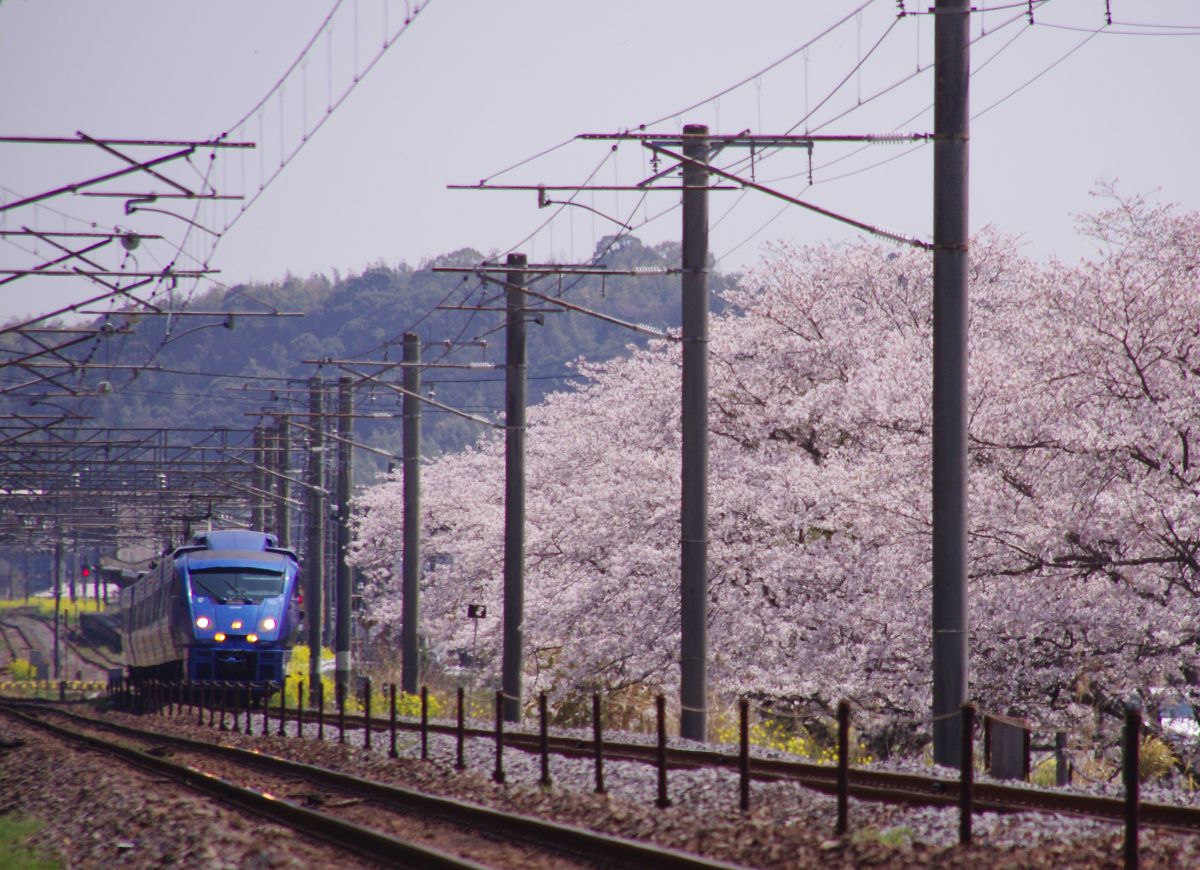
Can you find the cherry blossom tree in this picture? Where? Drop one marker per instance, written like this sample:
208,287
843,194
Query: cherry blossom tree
1083,487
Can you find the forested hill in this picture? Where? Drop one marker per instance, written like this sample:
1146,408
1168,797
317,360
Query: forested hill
216,376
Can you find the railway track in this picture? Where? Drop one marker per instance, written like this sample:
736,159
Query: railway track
567,845
92,656
100,659
9,649
864,784
5,628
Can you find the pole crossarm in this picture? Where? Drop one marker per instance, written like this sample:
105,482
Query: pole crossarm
162,312
329,361
363,376
99,179
342,440
80,139
764,140
778,194
544,269
119,291
110,273
598,188
47,266
643,328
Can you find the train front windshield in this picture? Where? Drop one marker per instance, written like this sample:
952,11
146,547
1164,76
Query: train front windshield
243,585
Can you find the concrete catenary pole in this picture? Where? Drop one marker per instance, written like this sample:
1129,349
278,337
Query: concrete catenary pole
410,617
950,235
345,590
514,489
693,687
314,587
283,511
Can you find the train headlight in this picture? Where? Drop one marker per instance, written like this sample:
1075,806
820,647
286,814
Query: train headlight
219,637
202,622
252,638
269,624
237,623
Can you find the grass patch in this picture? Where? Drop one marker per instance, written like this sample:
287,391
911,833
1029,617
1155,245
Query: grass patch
897,837
15,853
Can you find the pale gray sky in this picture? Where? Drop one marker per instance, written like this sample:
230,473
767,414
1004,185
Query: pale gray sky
475,86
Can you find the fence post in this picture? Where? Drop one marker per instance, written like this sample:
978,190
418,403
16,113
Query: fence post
367,714
598,735
460,762
266,707
660,704
424,723
744,754
966,774
340,691
320,710
392,753
237,709
249,707
1062,764
987,742
1026,753
543,741
843,771
300,706
1132,744
498,773
282,706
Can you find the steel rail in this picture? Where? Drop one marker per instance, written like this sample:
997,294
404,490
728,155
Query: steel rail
375,845
602,848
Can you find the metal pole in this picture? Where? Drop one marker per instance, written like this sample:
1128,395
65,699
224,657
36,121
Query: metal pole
950,236
258,514
58,572
344,577
283,514
410,614
514,489
314,592
693,689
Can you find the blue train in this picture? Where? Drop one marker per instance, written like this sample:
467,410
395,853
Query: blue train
224,607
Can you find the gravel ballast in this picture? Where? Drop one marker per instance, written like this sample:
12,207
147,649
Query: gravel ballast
788,825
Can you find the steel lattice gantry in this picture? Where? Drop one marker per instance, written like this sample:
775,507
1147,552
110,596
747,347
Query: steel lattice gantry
105,486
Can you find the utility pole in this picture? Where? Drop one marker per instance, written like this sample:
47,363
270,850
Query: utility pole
283,518
514,488
345,430
693,686
410,672
315,557
950,236
258,514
